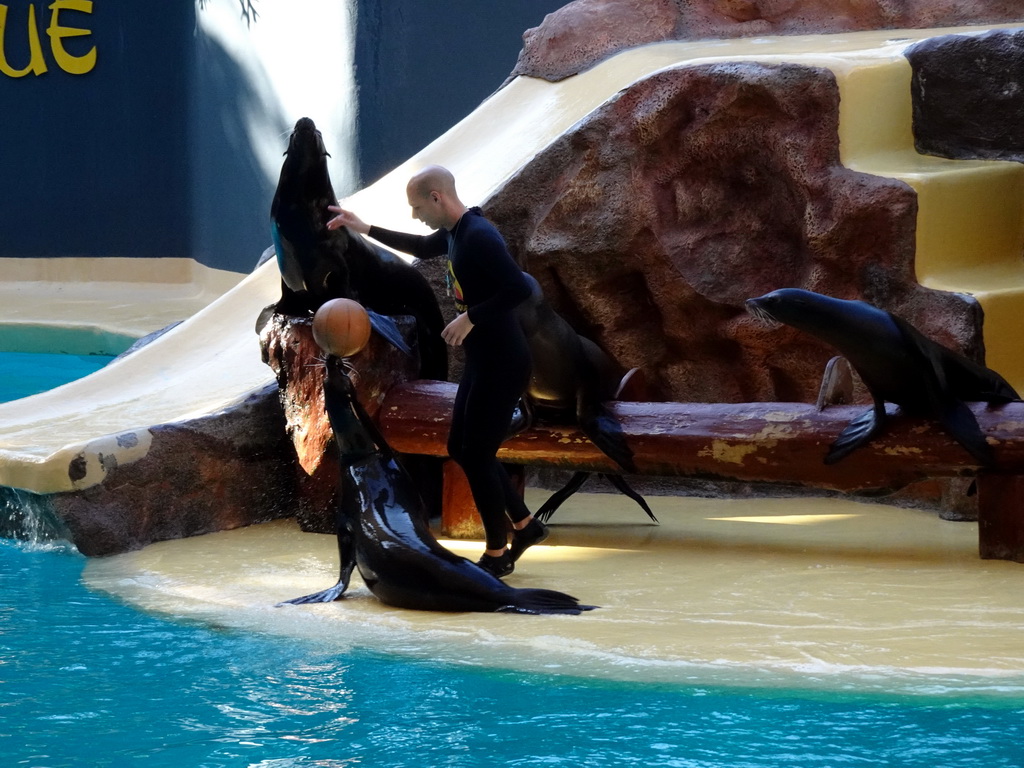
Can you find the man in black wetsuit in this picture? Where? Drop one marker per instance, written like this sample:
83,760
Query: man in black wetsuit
488,286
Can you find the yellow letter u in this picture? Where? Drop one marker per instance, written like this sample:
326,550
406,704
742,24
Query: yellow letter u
36,64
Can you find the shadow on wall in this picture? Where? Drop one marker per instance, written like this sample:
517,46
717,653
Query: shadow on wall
231,193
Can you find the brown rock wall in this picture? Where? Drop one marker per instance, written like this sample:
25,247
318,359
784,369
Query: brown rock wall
584,32
652,222
222,471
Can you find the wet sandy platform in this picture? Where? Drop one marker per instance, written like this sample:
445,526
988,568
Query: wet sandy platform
804,592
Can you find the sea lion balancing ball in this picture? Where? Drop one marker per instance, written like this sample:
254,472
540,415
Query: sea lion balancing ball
341,327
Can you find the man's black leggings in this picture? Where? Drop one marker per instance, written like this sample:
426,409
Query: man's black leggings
495,378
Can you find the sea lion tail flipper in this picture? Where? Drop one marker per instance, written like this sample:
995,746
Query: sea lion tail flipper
555,501
387,328
544,601
627,490
857,433
963,426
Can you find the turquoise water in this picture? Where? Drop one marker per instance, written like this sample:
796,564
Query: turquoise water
29,373
85,681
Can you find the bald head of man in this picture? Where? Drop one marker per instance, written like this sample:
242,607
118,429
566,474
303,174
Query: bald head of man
433,198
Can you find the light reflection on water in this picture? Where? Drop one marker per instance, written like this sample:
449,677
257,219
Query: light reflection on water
87,681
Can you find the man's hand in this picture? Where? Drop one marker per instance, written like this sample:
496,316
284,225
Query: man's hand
347,219
457,330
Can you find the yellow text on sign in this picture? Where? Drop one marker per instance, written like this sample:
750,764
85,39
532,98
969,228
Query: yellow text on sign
57,33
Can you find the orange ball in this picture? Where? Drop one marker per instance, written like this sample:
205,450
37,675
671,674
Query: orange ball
341,327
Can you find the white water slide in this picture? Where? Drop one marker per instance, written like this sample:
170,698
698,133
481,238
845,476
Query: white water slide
212,360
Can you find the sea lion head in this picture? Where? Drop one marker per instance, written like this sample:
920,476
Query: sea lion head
352,427
855,328
805,310
306,148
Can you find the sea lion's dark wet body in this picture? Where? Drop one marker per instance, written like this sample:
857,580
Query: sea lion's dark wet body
381,529
571,380
318,264
897,364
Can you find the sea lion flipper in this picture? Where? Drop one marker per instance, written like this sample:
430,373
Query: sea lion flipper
326,596
346,508
555,501
387,328
857,433
333,593
522,418
963,426
543,601
627,490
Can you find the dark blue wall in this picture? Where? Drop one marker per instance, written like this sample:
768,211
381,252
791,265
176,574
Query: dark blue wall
147,154
422,66
95,164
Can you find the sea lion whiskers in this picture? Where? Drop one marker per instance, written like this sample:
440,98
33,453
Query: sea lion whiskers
762,314
320,363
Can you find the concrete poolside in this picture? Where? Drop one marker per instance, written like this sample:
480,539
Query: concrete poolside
810,593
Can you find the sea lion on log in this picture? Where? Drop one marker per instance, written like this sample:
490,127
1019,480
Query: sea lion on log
571,379
897,363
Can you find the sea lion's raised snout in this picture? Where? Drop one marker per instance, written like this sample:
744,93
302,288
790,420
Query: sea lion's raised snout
307,141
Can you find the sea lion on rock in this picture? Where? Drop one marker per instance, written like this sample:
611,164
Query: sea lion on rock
381,529
896,362
318,264
571,378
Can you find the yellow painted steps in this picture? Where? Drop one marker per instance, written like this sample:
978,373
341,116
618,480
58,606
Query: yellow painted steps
970,225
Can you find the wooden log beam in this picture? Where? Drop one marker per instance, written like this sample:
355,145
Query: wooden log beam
756,442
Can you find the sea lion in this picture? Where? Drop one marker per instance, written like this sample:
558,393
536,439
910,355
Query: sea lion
318,264
381,530
571,379
896,362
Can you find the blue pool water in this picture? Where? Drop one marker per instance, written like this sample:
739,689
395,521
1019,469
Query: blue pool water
85,681
29,373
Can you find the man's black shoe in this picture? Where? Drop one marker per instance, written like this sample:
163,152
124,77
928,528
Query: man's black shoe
534,533
499,566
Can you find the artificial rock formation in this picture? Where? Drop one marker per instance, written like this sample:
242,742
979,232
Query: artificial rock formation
654,219
221,471
584,32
